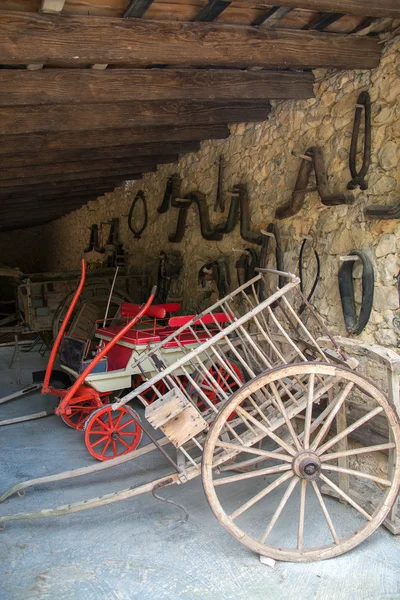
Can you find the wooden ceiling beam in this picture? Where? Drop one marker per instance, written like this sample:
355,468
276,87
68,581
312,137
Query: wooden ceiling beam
47,195
358,8
75,86
113,138
94,154
118,176
84,117
33,38
134,165
56,186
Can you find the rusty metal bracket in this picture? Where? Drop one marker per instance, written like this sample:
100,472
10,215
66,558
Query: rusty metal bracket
363,101
246,234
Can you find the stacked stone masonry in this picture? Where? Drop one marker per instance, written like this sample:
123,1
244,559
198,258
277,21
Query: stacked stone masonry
263,156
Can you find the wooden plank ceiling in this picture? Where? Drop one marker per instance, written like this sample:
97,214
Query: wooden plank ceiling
94,92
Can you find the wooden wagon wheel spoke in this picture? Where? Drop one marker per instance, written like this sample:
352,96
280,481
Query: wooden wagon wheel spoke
251,450
96,443
325,512
346,497
267,431
355,451
280,508
327,424
380,480
260,495
302,510
251,474
349,430
299,437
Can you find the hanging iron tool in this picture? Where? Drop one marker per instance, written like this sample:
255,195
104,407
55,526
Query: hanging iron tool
94,240
327,197
169,269
301,275
171,192
219,205
218,271
249,236
246,267
115,255
385,212
346,288
233,214
363,102
137,229
272,229
205,226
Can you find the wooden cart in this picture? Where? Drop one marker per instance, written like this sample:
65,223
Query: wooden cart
259,409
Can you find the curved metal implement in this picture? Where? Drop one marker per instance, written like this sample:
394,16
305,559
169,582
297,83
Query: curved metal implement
138,230
346,288
316,279
376,211
359,176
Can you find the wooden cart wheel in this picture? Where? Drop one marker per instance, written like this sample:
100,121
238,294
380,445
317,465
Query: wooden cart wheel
306,420
110,433
80,410
226,380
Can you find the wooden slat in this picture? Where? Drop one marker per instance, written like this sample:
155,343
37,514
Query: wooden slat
212,10
101,138
32,38
362,8
28,182
133,152
70,184
64,86
45,195
323,20
84,117
134,165
272,17
137,8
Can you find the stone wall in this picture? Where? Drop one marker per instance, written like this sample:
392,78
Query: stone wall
262,156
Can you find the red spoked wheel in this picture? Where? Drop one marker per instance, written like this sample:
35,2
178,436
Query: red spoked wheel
224,380
80,407
110,433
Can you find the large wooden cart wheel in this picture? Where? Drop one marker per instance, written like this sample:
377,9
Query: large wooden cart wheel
110,433
310,423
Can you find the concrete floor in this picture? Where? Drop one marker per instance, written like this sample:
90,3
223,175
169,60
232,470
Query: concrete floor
133,550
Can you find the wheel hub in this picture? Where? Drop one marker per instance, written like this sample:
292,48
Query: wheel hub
307,465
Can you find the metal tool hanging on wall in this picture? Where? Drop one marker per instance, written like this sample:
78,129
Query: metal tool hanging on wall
363,102
169,270
137,228
218,271
301,274
353,323
207,232
271,232
115,255
219,205
379,212
172,191
312,159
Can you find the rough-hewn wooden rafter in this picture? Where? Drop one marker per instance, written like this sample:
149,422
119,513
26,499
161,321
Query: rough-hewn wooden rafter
12,145
85,117
63,86
33,38
367,8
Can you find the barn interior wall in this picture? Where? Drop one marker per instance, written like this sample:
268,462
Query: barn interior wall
23,249
263,156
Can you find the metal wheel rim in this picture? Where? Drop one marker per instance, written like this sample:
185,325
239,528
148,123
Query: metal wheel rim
347,543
